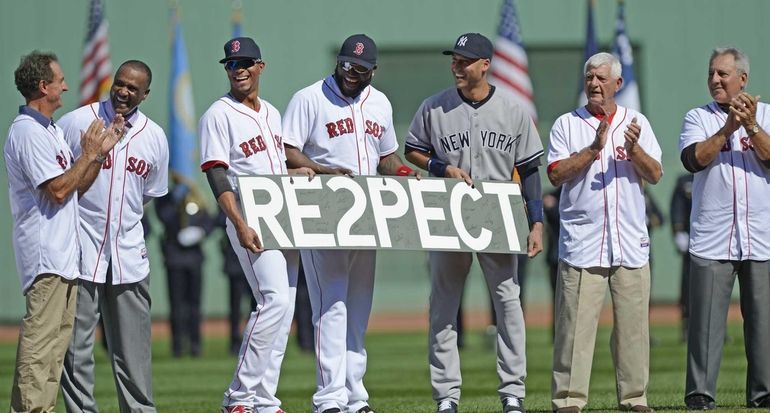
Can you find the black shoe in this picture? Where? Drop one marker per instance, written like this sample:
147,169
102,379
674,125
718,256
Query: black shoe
512,404
699,402
332,410
446,406
365,409
762,402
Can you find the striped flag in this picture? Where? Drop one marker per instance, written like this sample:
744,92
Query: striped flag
96,69
509,67
628,95
591,48
181,109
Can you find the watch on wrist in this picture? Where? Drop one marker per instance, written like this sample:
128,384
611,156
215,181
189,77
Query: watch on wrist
753,130
100,158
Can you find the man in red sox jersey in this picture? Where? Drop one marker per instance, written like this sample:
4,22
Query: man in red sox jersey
602,153
44,183
114,269
342,125
241,135
726,146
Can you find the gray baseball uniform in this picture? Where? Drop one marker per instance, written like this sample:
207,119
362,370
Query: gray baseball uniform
487,139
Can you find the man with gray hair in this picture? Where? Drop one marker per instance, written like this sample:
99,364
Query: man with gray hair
599,154
726,146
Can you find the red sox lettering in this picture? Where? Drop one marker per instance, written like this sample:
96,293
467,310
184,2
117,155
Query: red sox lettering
345,126
252,146
139,166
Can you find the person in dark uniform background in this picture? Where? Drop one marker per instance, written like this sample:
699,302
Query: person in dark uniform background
681,204
187,223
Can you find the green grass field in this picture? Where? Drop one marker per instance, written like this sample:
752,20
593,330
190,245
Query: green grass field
397,376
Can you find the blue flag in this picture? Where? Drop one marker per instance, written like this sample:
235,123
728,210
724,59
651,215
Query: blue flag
591,48
182,142
628,95
236,18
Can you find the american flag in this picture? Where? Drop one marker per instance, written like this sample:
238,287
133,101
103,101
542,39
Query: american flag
95,69
509,66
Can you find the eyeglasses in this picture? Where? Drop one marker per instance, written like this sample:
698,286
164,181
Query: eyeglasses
241,64
355,69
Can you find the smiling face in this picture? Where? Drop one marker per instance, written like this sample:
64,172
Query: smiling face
129,88
244,76
352,78
468,73
725,81
600,85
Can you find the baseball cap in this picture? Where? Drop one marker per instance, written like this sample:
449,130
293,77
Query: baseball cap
359,49
472,45
241,48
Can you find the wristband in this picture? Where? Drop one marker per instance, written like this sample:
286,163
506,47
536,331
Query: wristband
404,171
535,211
100,158
437,167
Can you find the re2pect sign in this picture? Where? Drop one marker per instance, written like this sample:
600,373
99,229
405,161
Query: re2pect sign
384,212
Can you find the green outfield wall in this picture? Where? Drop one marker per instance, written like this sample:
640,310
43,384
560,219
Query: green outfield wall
672,40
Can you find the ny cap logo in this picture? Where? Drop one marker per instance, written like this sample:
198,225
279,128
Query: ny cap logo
461,41
235,47
359,49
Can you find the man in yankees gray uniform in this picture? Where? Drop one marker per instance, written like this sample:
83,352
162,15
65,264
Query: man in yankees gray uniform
475,131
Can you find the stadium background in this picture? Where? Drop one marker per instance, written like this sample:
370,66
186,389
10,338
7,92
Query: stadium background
299,39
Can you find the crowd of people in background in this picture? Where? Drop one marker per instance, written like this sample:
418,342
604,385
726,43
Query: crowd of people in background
88,176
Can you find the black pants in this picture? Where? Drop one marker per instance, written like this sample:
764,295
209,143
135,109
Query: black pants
184,292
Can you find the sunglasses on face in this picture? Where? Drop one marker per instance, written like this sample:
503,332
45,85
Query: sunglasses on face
240,64
354,69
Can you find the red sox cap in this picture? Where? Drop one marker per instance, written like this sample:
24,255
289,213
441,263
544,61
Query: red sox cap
472,45
241,48
359,49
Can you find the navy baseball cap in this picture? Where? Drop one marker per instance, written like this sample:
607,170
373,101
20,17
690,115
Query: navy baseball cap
473,46
241,48
359,49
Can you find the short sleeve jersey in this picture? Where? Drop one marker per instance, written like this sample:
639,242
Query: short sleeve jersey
45,234
486,141
341,132
731,196
242,140
602,211
111,210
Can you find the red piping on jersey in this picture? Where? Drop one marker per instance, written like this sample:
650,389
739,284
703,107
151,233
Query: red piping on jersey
123,201
604,191
617,187
363,126
210,164
109,206
284,168
355,129
732,167
107,221
258,125
746,189
258,311
320,318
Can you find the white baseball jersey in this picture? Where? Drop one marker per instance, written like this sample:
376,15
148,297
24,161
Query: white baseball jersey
243,141
45,239
731,196
340,132
112,209
486,141
602,211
